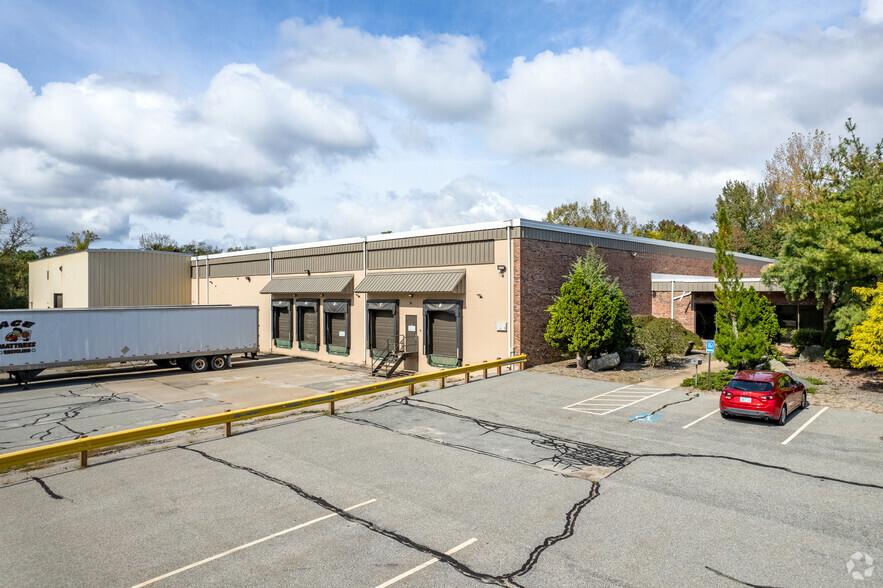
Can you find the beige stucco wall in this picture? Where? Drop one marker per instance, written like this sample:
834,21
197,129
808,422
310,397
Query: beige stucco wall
65,274
485,303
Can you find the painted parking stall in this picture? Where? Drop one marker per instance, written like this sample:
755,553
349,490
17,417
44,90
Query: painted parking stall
608,402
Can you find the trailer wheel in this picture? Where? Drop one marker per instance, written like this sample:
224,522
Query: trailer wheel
198,364
219,362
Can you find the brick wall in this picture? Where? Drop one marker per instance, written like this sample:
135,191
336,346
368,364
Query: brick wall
540,267
684,309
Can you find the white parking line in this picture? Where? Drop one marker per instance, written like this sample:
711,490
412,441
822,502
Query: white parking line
805,425
615,399
241,547
426,564
702,418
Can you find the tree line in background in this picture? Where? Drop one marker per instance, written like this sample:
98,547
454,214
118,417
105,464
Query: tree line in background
16,233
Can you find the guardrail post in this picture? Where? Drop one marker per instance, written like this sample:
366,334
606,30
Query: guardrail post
331,407
442,381
228,427
484,371
499,368
467,377
84,459
410,389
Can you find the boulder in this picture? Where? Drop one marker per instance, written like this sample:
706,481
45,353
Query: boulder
778,366
812,353
631,355
764,363
605,362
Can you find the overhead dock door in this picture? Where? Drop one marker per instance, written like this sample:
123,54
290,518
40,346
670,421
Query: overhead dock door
383,325
443,332
282,324
307,315
337,326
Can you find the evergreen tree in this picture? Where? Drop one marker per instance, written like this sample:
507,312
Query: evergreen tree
867,337
746,322
591,316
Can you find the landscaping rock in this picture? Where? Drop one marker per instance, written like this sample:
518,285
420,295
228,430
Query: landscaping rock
778,366
631,355
764,363
812,353
605,362
689,349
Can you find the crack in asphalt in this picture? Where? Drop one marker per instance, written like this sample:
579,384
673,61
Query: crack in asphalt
48,490
692,396
762,465
397,537
719,573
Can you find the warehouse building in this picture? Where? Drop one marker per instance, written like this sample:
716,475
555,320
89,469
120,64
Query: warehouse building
412,300
439,297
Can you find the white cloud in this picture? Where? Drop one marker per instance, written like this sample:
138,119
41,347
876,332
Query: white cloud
582,101
872,10
439,76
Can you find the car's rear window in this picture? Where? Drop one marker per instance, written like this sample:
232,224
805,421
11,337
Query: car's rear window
749,386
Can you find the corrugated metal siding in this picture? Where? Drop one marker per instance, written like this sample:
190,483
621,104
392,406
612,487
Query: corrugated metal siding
138,278
469,253
444,239
314,251
449,282
331,262
309,285
240,268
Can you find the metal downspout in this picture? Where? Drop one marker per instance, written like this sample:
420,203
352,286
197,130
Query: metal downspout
365,301
511,284
672,300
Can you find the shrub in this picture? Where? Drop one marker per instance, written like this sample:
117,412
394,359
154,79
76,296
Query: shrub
836,349
661,337
642,320
803,338
718,380
591,316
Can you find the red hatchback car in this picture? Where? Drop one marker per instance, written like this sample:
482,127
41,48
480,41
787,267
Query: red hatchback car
766,395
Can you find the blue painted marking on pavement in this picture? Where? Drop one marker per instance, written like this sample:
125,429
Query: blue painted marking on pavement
646,417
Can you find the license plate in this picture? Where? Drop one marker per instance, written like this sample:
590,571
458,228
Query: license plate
745,399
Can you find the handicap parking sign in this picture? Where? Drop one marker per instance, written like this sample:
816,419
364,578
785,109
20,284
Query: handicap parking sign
709,347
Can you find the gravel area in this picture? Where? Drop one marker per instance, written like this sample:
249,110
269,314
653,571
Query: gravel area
625,373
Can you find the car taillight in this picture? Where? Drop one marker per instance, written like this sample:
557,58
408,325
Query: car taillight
727,393
766,397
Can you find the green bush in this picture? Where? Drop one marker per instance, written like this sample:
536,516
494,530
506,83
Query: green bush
836,349
660,337
718,380
803,338
642,320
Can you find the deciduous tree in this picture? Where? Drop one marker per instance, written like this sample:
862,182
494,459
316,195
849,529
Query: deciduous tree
866,340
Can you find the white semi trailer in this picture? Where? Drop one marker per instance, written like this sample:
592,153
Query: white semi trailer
196,338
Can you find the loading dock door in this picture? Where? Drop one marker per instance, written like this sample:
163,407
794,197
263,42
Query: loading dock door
382,325
443,332
307,323
282,324
337,326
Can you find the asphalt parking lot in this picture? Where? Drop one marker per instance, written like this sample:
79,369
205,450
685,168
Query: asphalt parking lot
64,405
498,482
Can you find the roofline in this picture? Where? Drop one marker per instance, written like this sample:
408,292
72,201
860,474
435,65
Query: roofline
108,250
518,222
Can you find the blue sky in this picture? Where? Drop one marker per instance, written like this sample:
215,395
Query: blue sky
267,123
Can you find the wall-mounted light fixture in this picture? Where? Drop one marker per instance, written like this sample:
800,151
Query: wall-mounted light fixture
479,295
308,272
410,295
634,253
501,269
247,278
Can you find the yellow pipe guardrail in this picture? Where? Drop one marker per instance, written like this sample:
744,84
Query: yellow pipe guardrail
84,444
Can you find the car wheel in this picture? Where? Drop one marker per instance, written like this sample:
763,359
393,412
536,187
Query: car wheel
805,402
198,364
783,416
219,362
